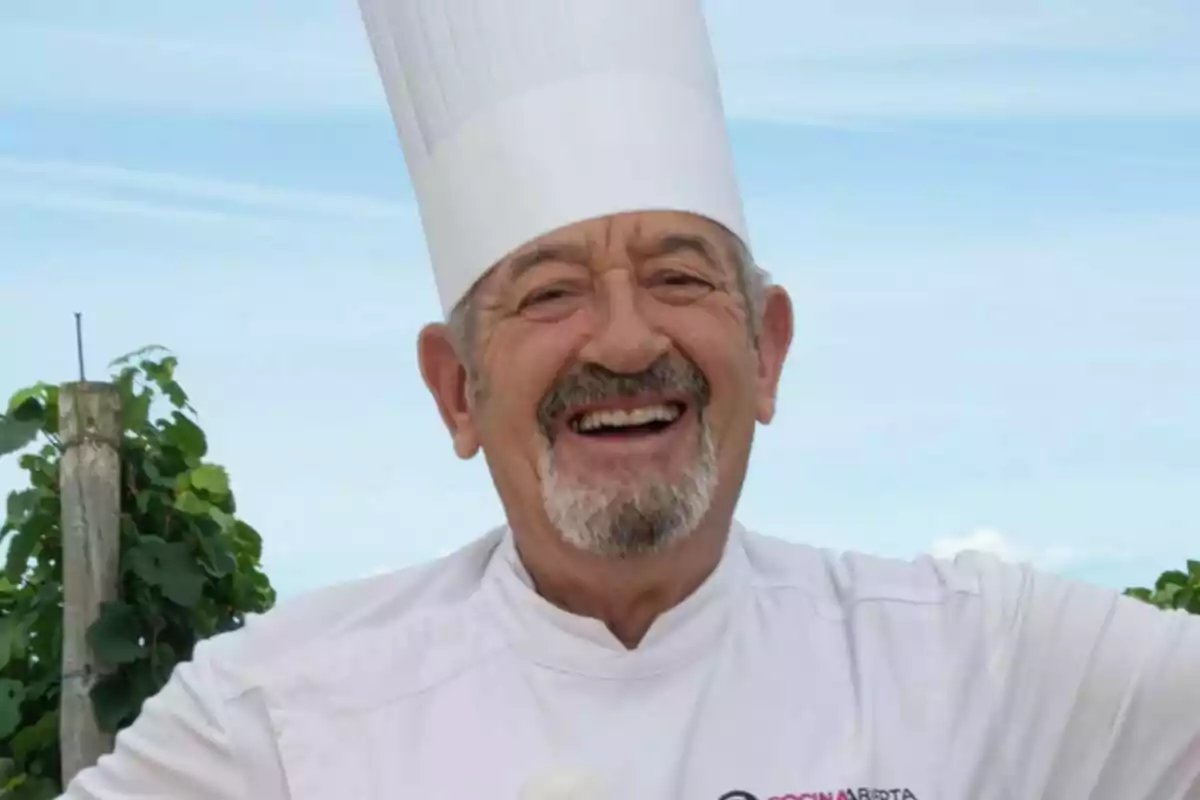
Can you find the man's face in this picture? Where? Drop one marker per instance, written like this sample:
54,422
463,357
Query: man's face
618,380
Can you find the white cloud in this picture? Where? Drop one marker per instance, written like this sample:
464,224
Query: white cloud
166,187
41,199
280,70
834,94
767,31
780,60
874,59
112,190
992,542
983,541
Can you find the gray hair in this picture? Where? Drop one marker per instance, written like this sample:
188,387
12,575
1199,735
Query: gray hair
753,282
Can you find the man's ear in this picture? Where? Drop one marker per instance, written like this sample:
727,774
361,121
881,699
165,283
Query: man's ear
774,340
446,377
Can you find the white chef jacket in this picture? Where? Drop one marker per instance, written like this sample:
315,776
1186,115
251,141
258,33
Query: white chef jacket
792,673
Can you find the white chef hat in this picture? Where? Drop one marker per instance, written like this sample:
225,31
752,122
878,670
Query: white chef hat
518,117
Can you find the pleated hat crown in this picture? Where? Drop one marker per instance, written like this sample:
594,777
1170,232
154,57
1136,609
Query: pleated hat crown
518,117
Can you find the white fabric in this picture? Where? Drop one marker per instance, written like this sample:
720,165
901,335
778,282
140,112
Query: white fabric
518,117
792,673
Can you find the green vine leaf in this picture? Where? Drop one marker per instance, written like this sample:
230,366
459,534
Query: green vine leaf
12,694
189,503
16,434
19,505
14,638
186,436
1173,578
156,477
8,635
135,410
20,550
170,566
116,636
219,559
163,374
114,701
33,787
248,540
38,407
137,355
210,478
30,787
224,521
28,405
39,736
22,396
175,394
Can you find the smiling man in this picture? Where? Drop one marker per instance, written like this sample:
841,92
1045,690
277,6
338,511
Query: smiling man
611,349
613,371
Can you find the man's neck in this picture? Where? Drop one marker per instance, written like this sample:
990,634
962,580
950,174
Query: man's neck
627,595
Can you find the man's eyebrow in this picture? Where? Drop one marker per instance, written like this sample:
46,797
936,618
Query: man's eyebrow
579,253
566,252
674,243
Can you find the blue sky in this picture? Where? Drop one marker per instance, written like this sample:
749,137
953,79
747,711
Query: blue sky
988,215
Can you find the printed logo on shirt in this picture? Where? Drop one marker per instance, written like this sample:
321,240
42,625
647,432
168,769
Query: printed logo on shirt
861,793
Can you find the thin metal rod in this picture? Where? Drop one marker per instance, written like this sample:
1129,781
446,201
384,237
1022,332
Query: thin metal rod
79,343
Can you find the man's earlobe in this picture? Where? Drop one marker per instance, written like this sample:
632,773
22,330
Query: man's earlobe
446,378
466,445
775,339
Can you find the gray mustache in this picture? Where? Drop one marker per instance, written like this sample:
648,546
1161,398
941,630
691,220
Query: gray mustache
592,383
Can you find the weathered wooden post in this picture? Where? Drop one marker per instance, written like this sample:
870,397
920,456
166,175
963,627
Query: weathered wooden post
90,481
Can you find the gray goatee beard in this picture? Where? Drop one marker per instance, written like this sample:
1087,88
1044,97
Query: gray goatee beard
631,514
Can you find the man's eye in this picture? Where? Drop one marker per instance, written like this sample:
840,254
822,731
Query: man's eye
679,279
543,296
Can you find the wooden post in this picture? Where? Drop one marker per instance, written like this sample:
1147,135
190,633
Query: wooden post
90,480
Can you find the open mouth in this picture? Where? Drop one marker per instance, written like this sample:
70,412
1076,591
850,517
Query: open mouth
611,423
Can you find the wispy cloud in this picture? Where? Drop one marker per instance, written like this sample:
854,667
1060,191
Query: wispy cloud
106,189
936,59
1058,558
282,70
960,90
770,32
40,199
780,60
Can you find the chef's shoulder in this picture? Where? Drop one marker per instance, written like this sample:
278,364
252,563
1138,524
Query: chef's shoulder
1113,655
209,734
991,594
348,621
1102,691
837,581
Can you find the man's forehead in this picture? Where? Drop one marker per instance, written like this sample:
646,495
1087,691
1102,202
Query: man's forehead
643,233
635,232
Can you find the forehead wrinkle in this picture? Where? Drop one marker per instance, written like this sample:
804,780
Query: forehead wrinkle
535,255
671,242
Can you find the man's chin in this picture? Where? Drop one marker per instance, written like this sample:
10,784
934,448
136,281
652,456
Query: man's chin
638,521
621,510
623,542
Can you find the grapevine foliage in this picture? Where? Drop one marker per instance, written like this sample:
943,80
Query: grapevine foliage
1174,590
189,567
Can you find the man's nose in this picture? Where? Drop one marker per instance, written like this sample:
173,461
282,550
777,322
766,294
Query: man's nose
624,340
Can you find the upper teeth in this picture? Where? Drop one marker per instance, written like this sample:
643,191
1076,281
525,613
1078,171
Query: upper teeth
619,419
